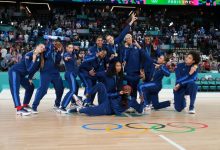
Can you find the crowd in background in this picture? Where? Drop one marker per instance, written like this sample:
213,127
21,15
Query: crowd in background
167,28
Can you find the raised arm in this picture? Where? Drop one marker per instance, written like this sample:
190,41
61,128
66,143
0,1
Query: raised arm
121,36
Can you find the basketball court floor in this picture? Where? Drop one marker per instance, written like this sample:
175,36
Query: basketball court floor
160,130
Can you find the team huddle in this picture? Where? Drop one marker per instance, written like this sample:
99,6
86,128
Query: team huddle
117,71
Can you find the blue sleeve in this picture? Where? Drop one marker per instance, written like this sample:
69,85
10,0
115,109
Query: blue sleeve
89,58
65,55
30,76
121,36
190,78
31,66
165,71
180,78
91,51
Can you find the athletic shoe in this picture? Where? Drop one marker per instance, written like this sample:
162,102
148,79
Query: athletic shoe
78,101
151,106
147,110
34,111
28,108
23,112
62,110
72,110
192,111
130,110
56,108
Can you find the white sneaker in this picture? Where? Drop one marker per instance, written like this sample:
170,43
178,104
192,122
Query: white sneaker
72,109
192,111
146,110
62,111
23,112
130,110
28,108
34,111
56,108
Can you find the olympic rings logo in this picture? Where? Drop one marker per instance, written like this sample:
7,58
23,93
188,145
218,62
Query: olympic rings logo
179,127
117,126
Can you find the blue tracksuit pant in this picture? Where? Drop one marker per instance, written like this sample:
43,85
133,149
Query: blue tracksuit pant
88,83
108,106
179,99
104,107
73,86
15,80
134,84
45,80
150,92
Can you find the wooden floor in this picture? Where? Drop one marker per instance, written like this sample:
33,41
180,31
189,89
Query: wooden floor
50,130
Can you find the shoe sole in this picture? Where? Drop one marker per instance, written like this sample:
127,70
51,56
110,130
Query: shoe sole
34,112
71,111
23,114
29,110
63,112
191,112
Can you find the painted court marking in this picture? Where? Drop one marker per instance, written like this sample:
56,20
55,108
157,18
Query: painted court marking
167,139
117,126
171,142
156,127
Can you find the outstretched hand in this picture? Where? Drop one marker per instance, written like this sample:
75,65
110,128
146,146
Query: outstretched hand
133,18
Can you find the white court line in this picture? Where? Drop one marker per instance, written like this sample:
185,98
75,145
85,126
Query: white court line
172,142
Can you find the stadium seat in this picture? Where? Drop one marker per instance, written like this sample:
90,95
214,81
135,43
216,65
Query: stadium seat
217,83
204,84
212,84
198,82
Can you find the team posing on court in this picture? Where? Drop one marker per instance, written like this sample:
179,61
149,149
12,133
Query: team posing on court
114,71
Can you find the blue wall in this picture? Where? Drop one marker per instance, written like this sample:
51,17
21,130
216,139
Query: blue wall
168,82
